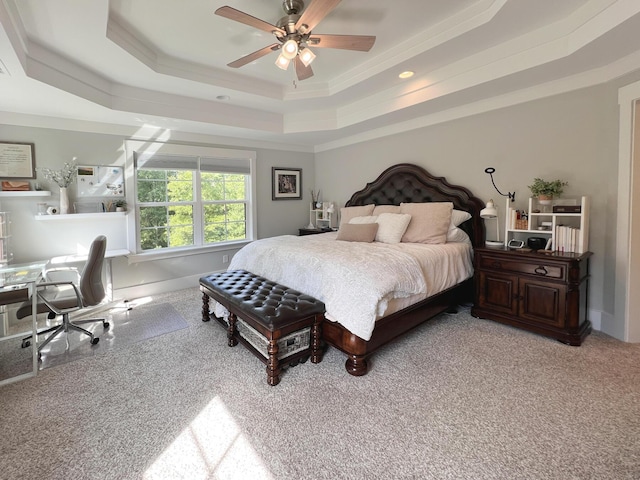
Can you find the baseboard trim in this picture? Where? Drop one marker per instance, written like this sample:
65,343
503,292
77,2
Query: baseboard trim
595,316
155,288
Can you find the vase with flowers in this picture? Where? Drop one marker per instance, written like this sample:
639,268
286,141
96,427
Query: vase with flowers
63,178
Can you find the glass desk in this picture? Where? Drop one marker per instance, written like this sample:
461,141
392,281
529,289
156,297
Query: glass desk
17,284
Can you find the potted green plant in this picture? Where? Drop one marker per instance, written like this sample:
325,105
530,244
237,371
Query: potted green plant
546,190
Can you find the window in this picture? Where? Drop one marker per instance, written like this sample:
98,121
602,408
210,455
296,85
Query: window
188,197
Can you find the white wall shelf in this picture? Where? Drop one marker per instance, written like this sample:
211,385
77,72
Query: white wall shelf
80,216
27,193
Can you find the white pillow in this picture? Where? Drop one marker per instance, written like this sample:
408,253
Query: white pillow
456,234
391,227
364,219
457,217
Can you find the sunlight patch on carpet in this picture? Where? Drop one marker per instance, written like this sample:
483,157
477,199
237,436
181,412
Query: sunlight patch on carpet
211,446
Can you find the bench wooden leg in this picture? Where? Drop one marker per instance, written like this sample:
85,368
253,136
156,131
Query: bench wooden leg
273,365
232,339
316,339
205,308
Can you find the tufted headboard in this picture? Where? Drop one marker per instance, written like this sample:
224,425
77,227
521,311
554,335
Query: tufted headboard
410,183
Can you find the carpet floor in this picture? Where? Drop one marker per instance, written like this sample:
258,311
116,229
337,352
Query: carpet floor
457,398
126,327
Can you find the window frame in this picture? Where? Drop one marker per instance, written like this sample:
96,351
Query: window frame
135,148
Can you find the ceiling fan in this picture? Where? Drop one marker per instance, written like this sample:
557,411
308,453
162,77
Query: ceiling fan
293,32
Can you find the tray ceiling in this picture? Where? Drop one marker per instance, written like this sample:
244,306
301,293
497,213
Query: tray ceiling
163,63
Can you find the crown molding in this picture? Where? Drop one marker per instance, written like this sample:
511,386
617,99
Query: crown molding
588,79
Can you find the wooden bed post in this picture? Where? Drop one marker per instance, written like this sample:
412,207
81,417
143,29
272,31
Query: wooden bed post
357,365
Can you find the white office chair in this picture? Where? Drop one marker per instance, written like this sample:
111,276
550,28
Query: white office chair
64,298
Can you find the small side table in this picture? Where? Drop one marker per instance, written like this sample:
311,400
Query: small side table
312,231
308,231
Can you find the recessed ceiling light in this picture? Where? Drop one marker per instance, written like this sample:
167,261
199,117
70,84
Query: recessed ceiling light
223,98
407,74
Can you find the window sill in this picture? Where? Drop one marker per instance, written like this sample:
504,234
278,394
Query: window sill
184,252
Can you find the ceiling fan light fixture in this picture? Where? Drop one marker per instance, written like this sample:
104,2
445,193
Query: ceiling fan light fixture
282,62
307,56
293,34
290,49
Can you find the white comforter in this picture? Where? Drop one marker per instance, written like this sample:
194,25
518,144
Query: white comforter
355,280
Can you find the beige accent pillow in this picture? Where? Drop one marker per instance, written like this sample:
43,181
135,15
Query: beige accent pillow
365,219
358,232
429,222
391,227
386,209
347,213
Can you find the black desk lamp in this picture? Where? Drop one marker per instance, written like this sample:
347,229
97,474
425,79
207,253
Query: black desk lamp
490,171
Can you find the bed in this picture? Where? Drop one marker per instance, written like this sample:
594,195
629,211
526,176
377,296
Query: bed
386,305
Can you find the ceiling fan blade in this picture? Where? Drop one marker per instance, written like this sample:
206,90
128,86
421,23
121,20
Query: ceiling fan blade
302,72
254,56
362,43
233,14
315,12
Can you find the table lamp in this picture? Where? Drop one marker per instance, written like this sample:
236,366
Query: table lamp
491,212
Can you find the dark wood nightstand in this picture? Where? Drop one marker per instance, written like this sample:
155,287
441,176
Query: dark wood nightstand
545,293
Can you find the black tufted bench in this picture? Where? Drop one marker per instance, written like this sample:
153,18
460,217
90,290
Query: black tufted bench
278,324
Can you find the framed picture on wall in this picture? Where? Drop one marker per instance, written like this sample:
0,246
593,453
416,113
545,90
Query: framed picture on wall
286,183
17,160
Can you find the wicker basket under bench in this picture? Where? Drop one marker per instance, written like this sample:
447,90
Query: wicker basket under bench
278,324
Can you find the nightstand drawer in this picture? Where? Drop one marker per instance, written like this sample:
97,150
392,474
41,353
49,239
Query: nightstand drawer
518,266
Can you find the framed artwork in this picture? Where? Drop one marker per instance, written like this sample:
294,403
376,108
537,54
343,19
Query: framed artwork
17,160
286,183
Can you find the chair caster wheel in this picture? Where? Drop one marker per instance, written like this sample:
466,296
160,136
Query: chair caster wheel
105,324
94,340
26,343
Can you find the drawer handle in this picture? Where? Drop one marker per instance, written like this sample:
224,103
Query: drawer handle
541,270
496,265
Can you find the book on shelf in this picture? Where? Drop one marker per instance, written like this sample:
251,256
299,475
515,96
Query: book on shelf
516,222
568,239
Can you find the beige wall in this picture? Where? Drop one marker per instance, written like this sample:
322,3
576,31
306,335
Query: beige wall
567,136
